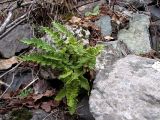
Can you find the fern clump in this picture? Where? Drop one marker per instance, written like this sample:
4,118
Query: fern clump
68,56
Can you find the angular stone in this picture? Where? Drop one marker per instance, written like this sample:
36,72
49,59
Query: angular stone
128,89
10,44
137,37
155,14
83,110
112,51
105,25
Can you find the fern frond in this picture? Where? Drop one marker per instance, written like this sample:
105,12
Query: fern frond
70,57
39,44
38,58
84,83
71,95
62,29
61,94
64,75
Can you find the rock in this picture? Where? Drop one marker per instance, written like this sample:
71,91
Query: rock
36,115
137,37
137,3
40,115
155,14
21,77
10,44
126,90
155,35
83,110
89,7
113,50
105,25
48,73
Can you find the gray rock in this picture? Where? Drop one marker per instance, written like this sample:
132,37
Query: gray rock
137,37
113,51
20,77
83,110
155,35
155,14
128,89
105,25
89,7
40,115
10,44
137,3
48,73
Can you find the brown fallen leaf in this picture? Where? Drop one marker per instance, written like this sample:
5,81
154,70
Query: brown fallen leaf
7,63
75,19
47,106
48,93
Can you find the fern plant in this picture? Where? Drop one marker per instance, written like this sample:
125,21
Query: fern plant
68,56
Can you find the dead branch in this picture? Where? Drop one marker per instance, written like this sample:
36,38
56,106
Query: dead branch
9,17
11,28
8,87
11,69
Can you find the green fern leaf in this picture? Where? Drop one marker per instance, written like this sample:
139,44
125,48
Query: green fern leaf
84,83
62,29
39,44
61,94
63,76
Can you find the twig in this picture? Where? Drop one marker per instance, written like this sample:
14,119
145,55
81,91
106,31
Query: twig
11,28
84,3
15,21
3,83
10,70
8,19
8,87
10,14
34,80
7,1
50,114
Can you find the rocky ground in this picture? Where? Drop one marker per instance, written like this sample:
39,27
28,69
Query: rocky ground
127,82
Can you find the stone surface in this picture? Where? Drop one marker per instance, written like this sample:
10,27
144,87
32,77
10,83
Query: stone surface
10,44
155,14
105,25
155,35
137,2
83,110
40,115
128,89
137,37
20,77
89,7
113,50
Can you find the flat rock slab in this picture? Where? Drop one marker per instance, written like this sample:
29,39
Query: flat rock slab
105,25
137,37
128,89
10,44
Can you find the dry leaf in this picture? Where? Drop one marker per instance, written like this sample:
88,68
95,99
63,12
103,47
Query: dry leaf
47,106
48,93
7,63
75,19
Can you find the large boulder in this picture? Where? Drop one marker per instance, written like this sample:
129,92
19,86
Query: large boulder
10,44
137,37
128,89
